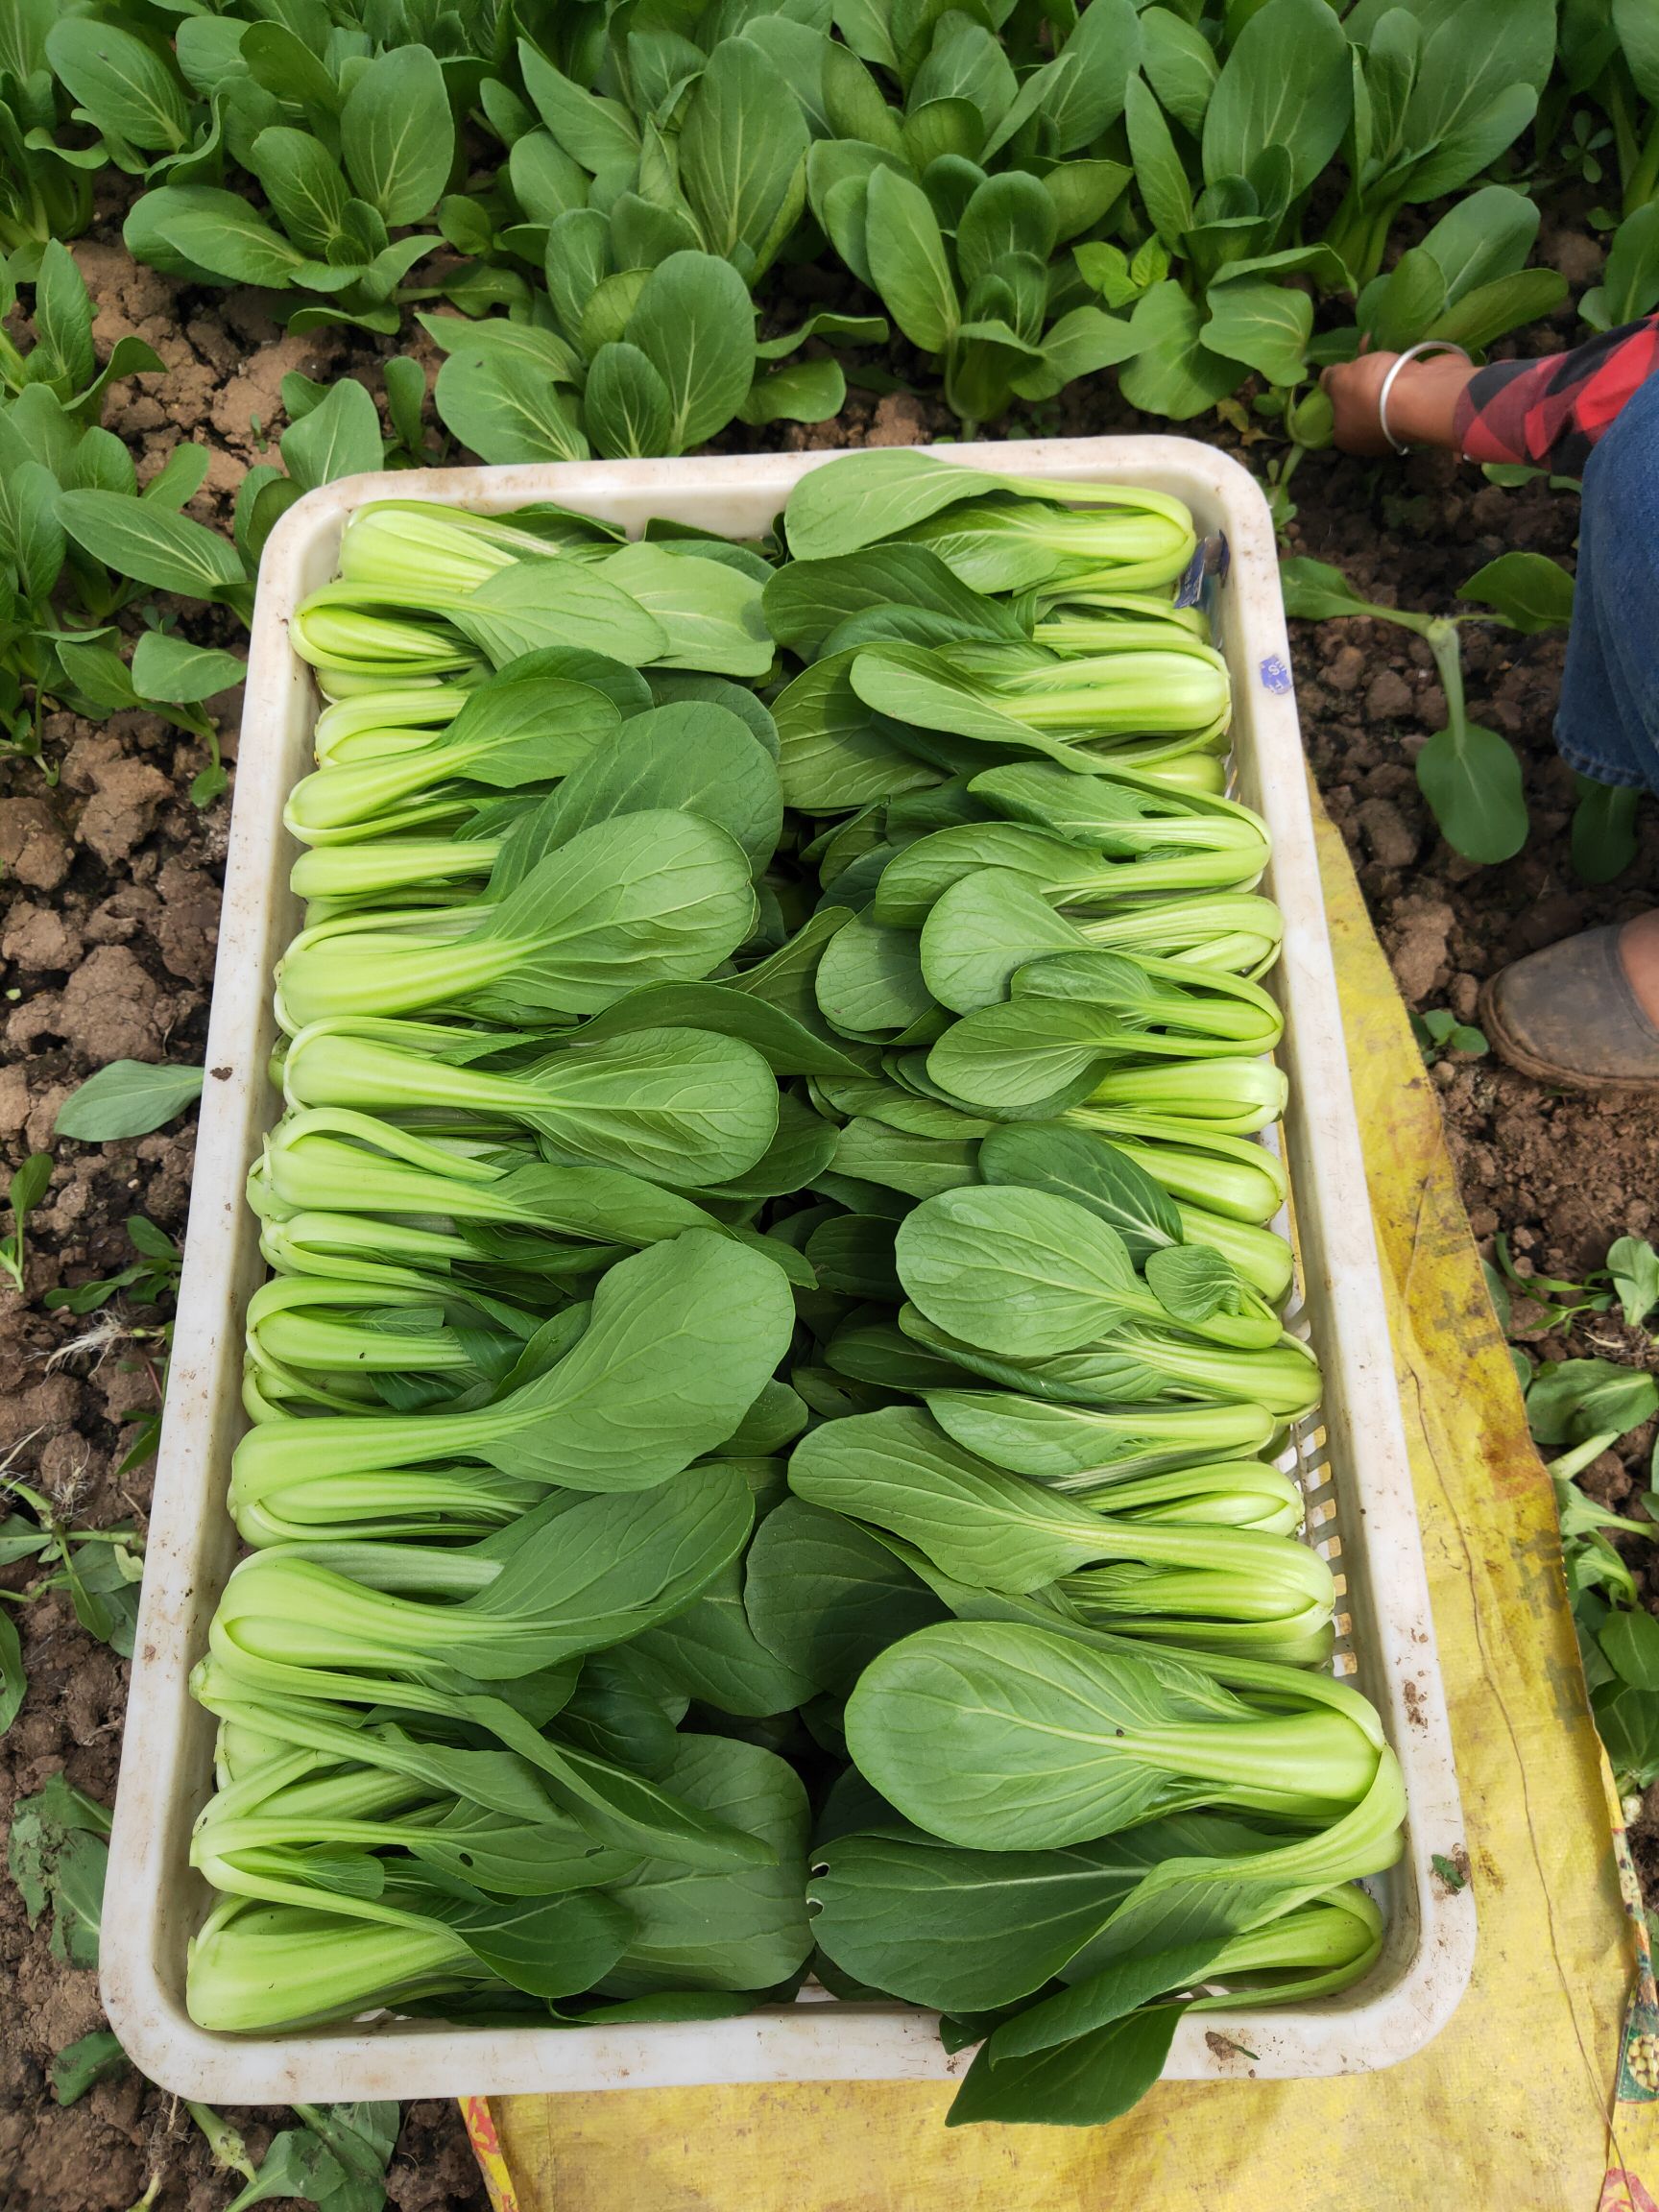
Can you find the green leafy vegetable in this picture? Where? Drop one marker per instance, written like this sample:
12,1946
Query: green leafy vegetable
770,1244
126,1098
80,2065
24,1192
57,1855
997,1736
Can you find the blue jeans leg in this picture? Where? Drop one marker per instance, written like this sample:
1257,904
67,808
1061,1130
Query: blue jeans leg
1607,726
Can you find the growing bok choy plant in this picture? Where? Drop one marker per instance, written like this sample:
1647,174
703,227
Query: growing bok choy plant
1468,775
771,1237
656,172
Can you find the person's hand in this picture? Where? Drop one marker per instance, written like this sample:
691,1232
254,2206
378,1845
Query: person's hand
1354,390
1422,403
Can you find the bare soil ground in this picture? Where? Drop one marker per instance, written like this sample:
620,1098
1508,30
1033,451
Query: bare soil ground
108,903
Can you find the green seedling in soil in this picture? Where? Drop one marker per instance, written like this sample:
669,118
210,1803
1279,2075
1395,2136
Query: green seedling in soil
1590,1562
1579,1297
1618,1638
1504,1312
168,677
373,155
1225,183
298,2164
1439,1032
148,1418
1612,61
1468,775
1621,1646
1633,1267
99,1567
1533,593
1305,415
336,2161
77,538
1598,1402
1528,591
63,359
1466,282
23,1193
57,1855
405,404
1571,1400
1632,1270
14,1682
150,1278
1629,286
45,188
1589,1406
333,431
1455,102
1308,423
1608,143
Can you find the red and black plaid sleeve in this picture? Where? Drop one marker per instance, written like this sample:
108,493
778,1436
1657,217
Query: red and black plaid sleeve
1552,410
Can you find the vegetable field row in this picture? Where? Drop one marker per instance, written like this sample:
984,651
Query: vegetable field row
625,230
1030,192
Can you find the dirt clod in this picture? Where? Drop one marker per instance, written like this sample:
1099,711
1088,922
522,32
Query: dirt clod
1420,932
33,845
1388,697
1390,839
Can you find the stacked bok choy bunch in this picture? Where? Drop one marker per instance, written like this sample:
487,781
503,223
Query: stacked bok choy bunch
774,1322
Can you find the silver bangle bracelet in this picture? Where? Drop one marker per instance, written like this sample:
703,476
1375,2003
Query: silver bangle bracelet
1412,353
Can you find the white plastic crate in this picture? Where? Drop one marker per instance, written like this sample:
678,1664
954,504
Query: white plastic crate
1351,1457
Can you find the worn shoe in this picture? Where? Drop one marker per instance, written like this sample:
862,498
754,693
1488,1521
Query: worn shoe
1567,1016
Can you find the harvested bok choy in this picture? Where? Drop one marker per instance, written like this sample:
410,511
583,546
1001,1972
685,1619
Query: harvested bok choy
776,1313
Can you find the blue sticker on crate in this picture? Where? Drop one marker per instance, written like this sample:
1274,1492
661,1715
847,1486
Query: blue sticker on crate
1275,676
